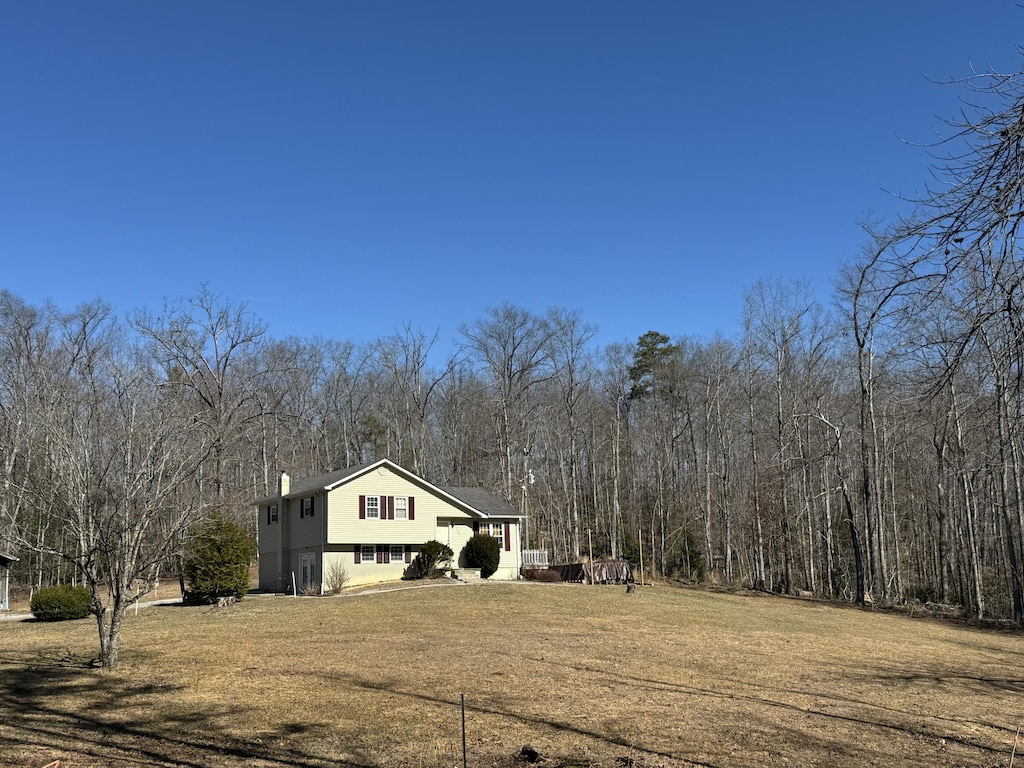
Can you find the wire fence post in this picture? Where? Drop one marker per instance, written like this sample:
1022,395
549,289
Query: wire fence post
463,700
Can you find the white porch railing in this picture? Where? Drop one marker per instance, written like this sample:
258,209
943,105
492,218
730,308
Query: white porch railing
535,558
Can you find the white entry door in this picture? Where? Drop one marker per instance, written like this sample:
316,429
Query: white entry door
444,532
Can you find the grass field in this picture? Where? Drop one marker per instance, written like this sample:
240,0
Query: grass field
588,676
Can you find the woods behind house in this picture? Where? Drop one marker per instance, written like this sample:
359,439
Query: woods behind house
870,447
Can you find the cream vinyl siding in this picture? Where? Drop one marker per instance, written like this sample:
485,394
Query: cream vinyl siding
364,573
269,574
306,532
454,533
460,533
269,533
508,566
345,527
282,543
442,532
269,540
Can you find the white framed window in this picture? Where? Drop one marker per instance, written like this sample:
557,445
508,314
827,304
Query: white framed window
272,514
397,553
495,530
373,507
368,553
306,507
401,507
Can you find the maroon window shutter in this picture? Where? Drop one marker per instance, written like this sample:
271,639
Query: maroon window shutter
508,539
380,554
362,507
359,553
391,507
408,553
412,508
387,554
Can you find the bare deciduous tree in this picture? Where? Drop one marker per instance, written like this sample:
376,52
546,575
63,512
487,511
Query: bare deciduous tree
513,346
201,345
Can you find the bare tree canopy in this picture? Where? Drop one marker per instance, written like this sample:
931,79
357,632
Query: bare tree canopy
872,453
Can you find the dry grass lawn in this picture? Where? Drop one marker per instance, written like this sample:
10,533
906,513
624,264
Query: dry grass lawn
587,675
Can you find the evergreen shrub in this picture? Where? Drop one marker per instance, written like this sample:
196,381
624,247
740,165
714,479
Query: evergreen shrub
432,558
483,552
61,602
217,561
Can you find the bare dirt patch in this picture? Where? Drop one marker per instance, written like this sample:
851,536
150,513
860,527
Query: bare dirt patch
586,675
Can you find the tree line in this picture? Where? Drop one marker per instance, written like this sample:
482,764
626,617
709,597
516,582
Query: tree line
868,449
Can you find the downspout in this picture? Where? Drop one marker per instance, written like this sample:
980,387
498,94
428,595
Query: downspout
518,550
284,485
323,539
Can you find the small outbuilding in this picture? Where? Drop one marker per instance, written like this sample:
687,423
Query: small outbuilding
5,575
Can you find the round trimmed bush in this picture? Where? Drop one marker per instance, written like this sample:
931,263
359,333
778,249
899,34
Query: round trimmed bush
483,552
61,603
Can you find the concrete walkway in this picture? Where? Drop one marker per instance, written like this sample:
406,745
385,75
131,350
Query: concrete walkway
397,586
146,604
370,590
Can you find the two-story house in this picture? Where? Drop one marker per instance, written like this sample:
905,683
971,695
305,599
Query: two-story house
367,523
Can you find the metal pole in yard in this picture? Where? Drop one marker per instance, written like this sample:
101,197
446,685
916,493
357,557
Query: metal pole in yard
590,540
463,698
640,544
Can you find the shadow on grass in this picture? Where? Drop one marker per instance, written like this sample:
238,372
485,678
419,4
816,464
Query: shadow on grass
872,714
532,720
58,705
945,677
916,612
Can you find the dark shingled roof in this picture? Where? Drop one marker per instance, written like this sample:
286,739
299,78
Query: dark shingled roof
308,485
483,501
479,499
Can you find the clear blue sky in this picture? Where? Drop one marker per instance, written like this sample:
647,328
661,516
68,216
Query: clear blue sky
349,167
